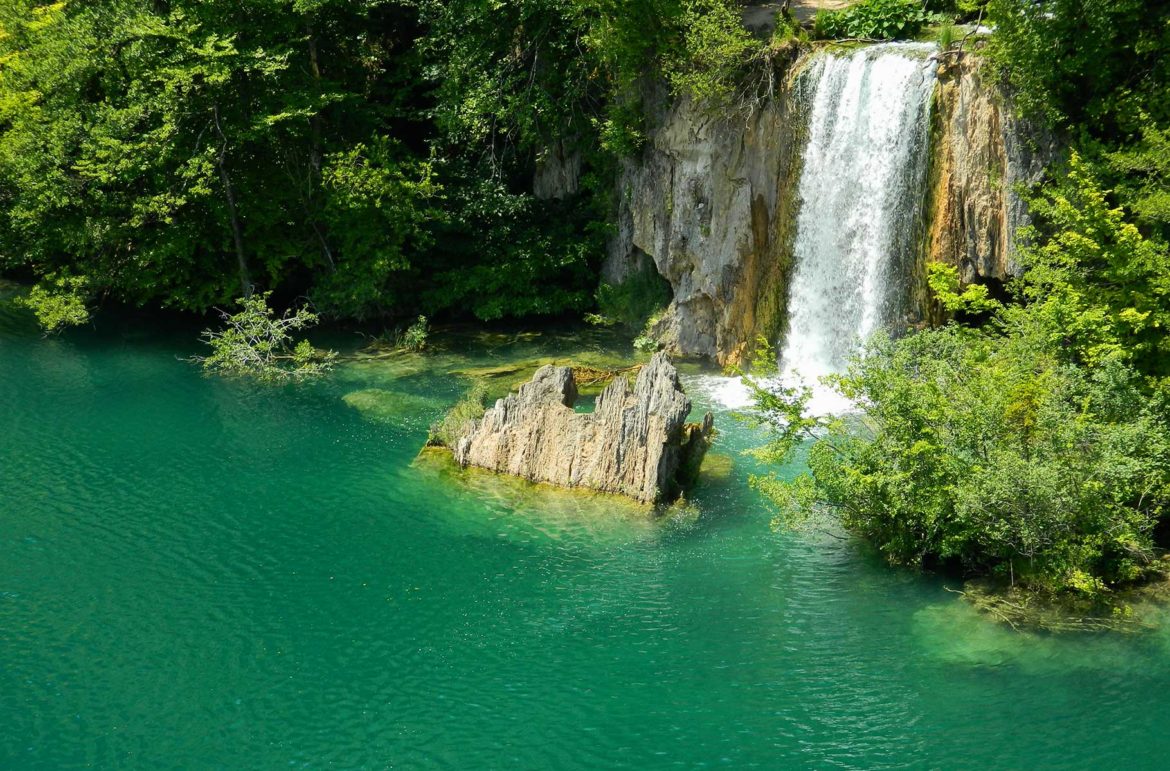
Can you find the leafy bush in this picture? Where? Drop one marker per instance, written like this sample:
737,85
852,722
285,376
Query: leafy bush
58,302
874,20
644,293
414,337
989,453
715,48
646,341
256,343
446,432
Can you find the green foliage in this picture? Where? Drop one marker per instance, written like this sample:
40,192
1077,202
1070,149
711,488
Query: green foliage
776,406
1143,171
646,341
986,451
377,209
446,432
946,288
257,343
873,20
1101,289
374,155
414,337
58,302
714,52
532,258
1035,448
171,152
643,294
1102,66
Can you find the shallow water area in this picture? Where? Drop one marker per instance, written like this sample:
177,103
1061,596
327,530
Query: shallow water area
205,573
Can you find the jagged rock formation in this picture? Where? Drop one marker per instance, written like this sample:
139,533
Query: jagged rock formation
711,204
636,442
980,152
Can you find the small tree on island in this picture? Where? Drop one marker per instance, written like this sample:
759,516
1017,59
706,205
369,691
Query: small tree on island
256,343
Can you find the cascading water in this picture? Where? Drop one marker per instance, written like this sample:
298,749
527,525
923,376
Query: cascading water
861,192
861,195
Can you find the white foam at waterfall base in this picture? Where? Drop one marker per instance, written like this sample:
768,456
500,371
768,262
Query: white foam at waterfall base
861,192
729,393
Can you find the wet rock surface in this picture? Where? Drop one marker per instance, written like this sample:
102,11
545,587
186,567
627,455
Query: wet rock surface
982,154
635,443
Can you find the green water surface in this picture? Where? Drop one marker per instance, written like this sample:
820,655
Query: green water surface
201,573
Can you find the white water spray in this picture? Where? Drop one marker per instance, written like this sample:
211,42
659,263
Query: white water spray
861,190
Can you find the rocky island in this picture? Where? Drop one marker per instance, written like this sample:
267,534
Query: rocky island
635,443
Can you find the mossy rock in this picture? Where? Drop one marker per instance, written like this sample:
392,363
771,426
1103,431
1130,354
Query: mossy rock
523,495
592,371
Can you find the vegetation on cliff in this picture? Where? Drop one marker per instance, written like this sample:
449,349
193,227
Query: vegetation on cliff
1027,439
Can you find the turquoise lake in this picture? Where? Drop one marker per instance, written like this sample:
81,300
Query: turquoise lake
204,573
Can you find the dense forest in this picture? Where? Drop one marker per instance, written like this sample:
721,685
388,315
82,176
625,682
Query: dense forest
378,157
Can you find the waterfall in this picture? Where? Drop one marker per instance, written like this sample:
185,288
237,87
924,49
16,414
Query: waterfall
861,193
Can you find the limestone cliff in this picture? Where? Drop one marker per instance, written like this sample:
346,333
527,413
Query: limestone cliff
636,442
710,202
981,152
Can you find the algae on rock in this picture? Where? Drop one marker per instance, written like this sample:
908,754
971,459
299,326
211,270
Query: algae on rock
635,443
981,153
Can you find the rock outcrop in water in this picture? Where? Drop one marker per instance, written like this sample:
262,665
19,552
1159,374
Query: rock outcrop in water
635,443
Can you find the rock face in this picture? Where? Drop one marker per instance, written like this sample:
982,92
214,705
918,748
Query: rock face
710,203
558,172
980,152
635,443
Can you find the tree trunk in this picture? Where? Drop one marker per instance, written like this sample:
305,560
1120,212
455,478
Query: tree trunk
315,152
233,213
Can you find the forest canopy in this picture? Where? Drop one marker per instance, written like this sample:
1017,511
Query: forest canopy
376,156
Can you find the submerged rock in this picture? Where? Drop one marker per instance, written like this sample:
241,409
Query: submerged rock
636,442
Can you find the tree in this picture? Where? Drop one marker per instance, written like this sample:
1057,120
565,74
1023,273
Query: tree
257,343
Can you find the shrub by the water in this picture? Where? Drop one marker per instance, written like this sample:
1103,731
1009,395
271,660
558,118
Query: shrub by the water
446,432
257,343
414,337
58,302
643,294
